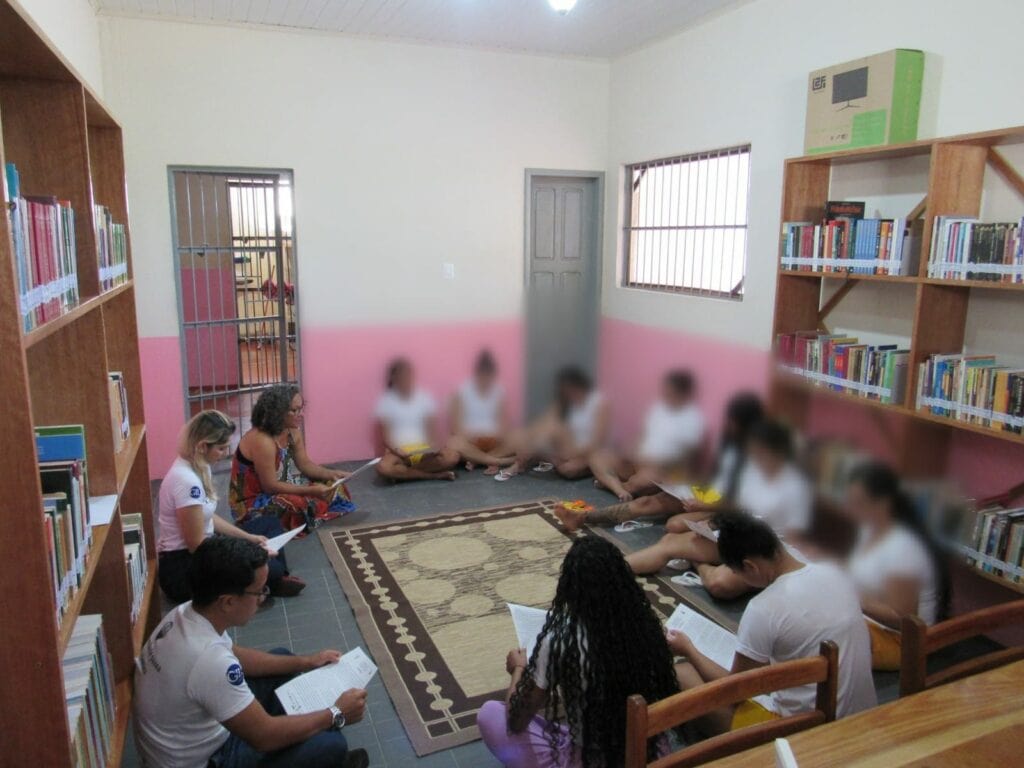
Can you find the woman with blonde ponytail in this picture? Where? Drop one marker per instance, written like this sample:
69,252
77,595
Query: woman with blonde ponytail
188,503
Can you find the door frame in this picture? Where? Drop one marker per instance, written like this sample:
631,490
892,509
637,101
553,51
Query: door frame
530,175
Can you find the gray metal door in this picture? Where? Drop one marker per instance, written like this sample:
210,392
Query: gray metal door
563,280
236,273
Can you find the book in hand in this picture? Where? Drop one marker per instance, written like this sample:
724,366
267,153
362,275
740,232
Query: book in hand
277,543
320,688
528,623
715,642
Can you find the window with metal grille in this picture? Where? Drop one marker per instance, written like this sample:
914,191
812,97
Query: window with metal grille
686,223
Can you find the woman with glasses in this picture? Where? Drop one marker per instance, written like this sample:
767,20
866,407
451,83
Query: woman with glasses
188,504
273,476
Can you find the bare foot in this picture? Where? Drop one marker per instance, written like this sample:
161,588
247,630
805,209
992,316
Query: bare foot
571,519
625,497
449,475
470,466
492,470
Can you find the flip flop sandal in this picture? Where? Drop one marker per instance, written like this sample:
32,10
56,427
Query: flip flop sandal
504,474
544,466
631,525
687,580
679,564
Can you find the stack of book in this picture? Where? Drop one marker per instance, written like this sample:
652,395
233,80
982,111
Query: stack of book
841,363
844,241
62,473
965,249
89,691
972,388
992,540
118,409
135,560
112,249
43,236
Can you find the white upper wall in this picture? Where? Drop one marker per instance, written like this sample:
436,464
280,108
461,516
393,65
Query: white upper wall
741,77
72,27
405,157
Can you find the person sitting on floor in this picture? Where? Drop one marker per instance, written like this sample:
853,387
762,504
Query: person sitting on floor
187,505
894,564
601,643
478,419
770,487
800,606
743,411
669,445
407,430
568,433
271,473
201,700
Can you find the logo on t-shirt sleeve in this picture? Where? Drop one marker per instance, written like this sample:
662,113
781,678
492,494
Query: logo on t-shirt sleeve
195,492
235,675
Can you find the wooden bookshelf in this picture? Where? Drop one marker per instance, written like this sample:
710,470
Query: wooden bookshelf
65,143
920,440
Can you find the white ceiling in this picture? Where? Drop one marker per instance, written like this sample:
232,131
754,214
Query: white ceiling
595,28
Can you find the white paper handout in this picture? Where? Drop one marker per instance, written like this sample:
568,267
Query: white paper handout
528,622
275,544
715,642
702,528
681,491
320,688
343,480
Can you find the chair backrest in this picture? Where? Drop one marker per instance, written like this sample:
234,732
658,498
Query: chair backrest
645,721
920,641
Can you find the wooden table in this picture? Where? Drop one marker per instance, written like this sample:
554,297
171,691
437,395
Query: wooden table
973,723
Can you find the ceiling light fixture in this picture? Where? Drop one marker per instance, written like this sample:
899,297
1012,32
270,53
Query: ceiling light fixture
562,6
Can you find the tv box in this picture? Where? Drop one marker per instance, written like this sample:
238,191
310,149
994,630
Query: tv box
866,102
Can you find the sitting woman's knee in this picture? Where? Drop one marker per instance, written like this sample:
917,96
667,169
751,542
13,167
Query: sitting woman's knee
722,586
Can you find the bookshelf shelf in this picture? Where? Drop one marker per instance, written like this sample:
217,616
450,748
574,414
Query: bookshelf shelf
977,429
65,144
1013,586
986,285
907,279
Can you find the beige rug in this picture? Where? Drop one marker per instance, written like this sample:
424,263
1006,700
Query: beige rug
429,596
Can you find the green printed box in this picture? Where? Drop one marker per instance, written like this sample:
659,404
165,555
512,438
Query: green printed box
866,102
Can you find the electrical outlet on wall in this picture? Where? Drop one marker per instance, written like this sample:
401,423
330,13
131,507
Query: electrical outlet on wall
448,270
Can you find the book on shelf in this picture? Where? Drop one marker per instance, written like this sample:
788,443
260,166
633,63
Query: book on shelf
120,423
964,248
45,262
111,249
975,389
135,562
841,363
89,692
992,540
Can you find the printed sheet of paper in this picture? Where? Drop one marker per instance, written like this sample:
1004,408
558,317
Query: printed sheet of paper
701,527
528,622
320,688
367,465
275,544
681,491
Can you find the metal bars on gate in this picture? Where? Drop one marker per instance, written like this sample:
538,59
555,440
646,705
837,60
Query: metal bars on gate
686,223
235,270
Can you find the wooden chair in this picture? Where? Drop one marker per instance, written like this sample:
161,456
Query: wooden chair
644,721
920,641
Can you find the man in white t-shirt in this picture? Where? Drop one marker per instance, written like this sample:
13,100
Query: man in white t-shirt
800,606
201,700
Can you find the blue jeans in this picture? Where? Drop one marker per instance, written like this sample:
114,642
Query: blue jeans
326,749
269,526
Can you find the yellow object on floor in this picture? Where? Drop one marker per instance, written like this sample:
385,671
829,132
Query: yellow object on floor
751,713
886,648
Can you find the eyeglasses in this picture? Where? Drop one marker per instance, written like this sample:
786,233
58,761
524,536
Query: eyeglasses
261,595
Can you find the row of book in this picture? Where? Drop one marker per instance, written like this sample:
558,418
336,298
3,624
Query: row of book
43,238
841,363
65,487
89,692
112,245
992,540
120,423
135,560
974,389
859,246
964,248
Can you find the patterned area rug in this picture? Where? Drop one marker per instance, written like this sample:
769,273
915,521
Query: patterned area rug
429,596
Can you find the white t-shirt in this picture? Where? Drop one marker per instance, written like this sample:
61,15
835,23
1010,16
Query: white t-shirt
789,620
898,554
181,487
187,682
582,419
481,412
405,418
671,433
783,501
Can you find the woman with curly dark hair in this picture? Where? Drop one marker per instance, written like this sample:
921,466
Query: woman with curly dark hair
601,643
271,473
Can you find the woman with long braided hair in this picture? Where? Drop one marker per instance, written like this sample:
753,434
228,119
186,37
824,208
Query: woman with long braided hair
601,643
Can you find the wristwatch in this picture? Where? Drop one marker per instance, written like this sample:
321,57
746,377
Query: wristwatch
339,718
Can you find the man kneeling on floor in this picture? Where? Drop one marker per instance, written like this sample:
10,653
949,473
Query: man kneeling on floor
195,707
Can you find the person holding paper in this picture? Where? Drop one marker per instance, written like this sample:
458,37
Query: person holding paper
202,701
187,505
479,420
601,642
271,473
800,606
669,445
407,430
